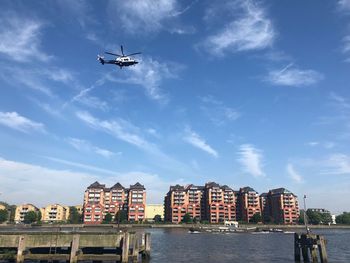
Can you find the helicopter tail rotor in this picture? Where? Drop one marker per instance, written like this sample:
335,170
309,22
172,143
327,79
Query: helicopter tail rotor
101,59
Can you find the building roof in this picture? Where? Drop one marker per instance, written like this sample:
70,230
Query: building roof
211,184
226,188
247,189
177,188
117,186
279,191
192,186
96,185
263,195
137,186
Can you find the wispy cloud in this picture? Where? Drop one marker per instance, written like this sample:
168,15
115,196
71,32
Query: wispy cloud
338,163
295,176
327,145
83,166
344,8
194,139
85,146
251,160
118,128
20,123
79,10
252,30
20,38
149,74
90,101
148,16
217,111
294,77
42,79
46,184
344,5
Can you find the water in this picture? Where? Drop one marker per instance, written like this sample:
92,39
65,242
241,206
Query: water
177,245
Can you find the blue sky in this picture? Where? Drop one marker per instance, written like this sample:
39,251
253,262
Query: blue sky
237,92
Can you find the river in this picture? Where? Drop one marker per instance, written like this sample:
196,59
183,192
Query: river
177,245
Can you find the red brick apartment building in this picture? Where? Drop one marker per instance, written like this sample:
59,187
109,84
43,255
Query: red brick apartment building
211,202
248,204
282,206
220,203
100,200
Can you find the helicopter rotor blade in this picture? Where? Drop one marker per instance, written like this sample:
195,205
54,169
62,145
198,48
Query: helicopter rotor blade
134,54
122,49
113,54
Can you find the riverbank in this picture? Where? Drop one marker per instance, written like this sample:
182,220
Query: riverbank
5,227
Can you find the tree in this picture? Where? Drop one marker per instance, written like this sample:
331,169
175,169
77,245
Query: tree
157,218
343,218
121,217
3,215
30,217
256,218
187,218
326,218
74,216
12,212
108,218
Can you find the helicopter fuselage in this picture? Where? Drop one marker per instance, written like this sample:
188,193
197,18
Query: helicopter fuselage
120,60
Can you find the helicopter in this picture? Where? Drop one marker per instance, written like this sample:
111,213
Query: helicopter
120,60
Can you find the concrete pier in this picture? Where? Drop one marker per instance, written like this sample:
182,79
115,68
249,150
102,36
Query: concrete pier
74,247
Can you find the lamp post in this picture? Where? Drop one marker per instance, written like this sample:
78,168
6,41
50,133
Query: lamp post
305,216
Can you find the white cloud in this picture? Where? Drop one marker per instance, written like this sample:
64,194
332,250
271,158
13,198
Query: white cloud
28,183
293,174
251,160
20,38
289,76
336,164
217,111
194,139
120,129
37,78
85,146
327,144
148,74
79,10
147,16
251,31
20,123
344,5
58,75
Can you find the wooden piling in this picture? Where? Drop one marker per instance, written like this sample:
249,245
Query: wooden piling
322,249
304,248
125,248
135,249
297,256
20,249
74,249
310,243
147,252
82,246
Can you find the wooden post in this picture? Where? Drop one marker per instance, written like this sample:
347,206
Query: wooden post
313,250
322,249
74,249
125,248
147,245
21,247
135,248
304,248
297,255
